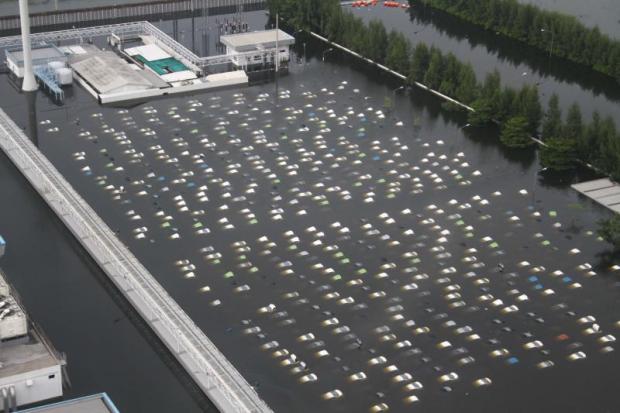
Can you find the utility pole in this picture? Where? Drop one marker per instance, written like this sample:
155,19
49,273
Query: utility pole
277,48
29,84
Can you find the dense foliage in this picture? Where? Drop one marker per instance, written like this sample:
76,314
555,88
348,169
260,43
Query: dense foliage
519,111
557,33
515,133
609,230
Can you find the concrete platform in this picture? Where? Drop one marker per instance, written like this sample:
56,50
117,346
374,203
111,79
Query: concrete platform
604,191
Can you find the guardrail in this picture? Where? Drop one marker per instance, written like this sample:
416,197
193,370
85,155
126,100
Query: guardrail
209,368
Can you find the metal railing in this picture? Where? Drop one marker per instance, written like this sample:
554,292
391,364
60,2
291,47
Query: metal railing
217,377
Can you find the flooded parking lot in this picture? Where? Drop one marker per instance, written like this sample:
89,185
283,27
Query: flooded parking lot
352,255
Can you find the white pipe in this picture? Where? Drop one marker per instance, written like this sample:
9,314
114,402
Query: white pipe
29,84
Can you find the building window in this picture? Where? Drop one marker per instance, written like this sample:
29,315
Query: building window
51,376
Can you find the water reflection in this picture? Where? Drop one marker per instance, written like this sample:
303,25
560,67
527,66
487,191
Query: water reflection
33,126
516,53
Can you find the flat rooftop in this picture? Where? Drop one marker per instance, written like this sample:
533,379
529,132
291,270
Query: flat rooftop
24,354
97,403
48,52
603,191
258,39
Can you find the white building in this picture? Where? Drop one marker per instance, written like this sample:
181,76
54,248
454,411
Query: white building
30,369
41,55
253,49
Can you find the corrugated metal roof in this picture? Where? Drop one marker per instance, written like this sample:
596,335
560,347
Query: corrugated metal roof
108,73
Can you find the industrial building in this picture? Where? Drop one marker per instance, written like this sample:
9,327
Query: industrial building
143,62
248,49
42,54
31,370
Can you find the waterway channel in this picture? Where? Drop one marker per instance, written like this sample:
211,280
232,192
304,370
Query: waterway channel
517,64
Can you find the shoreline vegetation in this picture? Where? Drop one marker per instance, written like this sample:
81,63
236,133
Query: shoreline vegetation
568,141
558,34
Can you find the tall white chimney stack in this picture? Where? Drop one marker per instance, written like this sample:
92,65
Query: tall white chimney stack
29,84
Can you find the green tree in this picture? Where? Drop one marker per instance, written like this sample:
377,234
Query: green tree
574,123
377,41
515,133
419,63
505,104
552,125
491,88
434,74
398,52
609,230
588,145
467,86
528,106
559,154
482,114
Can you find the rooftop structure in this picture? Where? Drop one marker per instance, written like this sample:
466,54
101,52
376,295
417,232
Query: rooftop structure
105,72
97,403
603,191
30,369
42,54
258,40
164,65
258,48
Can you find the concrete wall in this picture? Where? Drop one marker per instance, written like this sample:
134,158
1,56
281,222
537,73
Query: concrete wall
35,386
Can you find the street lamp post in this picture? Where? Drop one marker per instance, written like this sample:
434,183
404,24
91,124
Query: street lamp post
326,51
396,90
552,39
536,173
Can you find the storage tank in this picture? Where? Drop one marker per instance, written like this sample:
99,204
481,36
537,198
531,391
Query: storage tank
55,65
64,76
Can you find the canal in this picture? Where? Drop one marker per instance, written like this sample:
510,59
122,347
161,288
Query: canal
517,64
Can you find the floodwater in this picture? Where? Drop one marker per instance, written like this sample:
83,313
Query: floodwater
108,347
602,13
346,255
572,83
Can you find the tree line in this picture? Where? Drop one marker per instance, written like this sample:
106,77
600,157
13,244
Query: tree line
559,34
569,141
